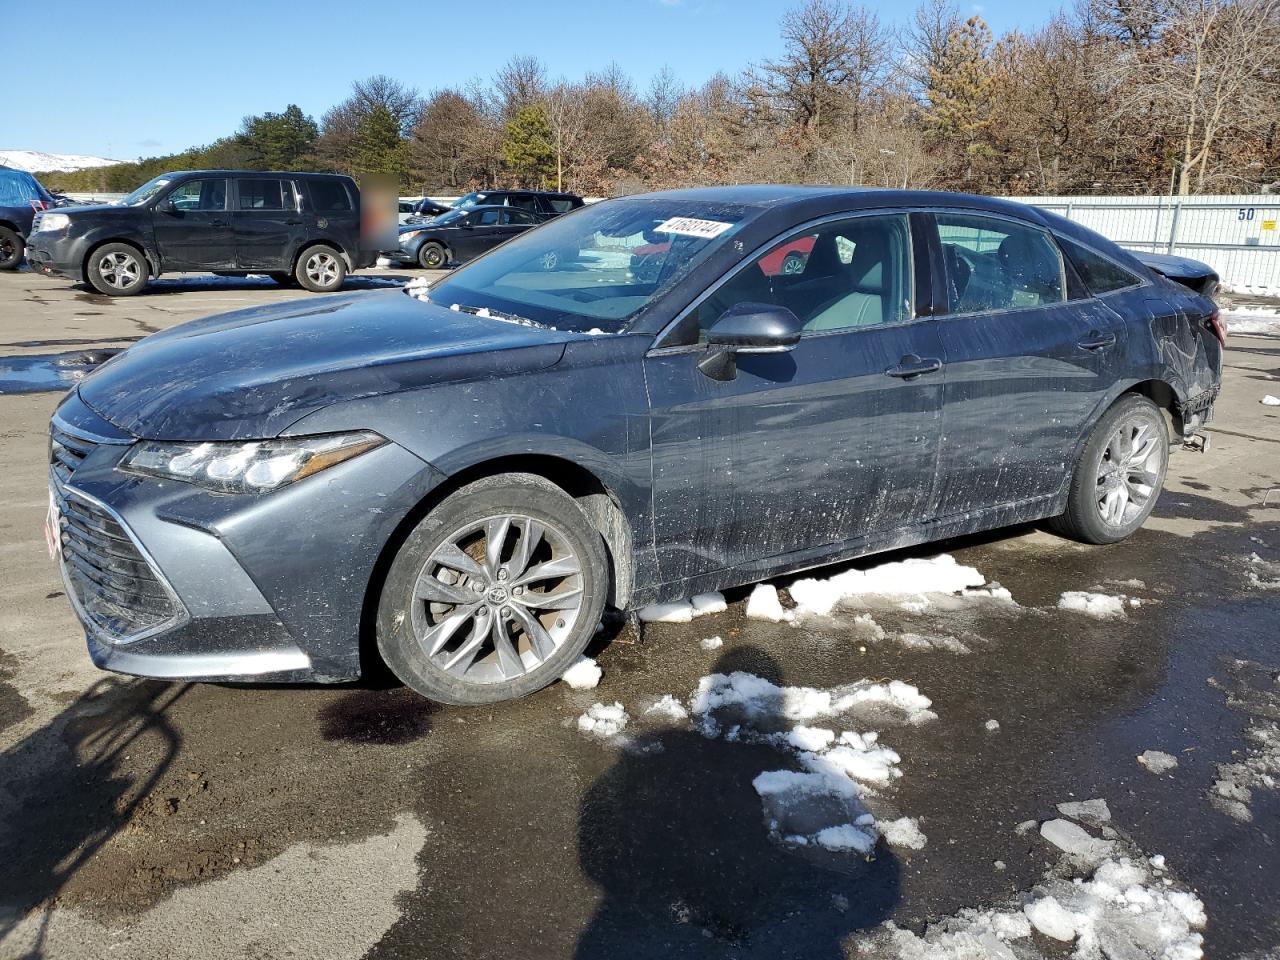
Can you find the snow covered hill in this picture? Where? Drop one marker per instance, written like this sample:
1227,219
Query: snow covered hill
37,162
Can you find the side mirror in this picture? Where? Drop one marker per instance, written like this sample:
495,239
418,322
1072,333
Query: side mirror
165,206
748,328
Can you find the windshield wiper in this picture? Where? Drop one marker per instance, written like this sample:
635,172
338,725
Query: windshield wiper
499,315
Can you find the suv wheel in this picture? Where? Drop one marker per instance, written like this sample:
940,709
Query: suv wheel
118,270
11,249
494,594
321,269
432,256
1119,475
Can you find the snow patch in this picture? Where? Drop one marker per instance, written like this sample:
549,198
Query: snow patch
603,720
914,579
1253,320
763,604
756,700
683,611
668,707
1271,401
585,674
1052,919
1264,573
711,643
991,726
1157,761
1098,605
1075,841
1089,811
903,832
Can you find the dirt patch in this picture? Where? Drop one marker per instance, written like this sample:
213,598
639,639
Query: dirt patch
13,705
377,716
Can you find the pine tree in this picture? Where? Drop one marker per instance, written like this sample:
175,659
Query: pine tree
280,141
379,147
961,90
528,148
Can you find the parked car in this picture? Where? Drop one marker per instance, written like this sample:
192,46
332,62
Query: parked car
426,208
467,476
460,235
294,227
22,196
543,204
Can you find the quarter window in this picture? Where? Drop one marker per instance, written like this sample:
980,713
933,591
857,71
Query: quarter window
561,204
200,195
996,264
266,195
328,196
1099,274
838,276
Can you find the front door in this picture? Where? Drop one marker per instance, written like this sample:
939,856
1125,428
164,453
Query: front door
833,441
1026,363
267,223
196,234
478,232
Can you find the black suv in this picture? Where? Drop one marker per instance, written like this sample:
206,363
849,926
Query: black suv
302,227
543,204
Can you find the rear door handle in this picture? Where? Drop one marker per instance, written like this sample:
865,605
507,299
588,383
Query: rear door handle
912,366
1097,341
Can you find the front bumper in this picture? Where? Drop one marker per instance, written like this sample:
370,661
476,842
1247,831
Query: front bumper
179,583
51,260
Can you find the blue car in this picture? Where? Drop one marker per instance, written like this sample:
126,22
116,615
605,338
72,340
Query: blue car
459,479
21,197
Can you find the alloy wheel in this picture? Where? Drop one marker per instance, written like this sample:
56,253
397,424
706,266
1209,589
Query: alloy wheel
1129,471
119,270
497,598
322,269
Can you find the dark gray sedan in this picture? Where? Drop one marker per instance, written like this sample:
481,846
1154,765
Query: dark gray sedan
461,479
460,235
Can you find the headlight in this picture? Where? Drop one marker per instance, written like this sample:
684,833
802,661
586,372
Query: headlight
53,221
411,234
255,467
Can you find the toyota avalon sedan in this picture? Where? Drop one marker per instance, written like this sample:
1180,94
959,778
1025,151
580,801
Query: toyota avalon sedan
460,479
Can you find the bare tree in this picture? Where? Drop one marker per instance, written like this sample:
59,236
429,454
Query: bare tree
521,81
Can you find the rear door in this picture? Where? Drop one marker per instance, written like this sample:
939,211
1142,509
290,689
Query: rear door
1028,360
830,442
266,218
516,221
196,233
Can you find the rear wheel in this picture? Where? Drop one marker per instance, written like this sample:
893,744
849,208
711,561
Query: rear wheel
1119,475
321,269
494,594
432,256
12,249
118,270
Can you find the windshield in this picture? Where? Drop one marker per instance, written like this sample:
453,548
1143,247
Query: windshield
595,268
144,192
466,200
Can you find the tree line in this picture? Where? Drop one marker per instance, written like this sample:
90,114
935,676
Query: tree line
1112,96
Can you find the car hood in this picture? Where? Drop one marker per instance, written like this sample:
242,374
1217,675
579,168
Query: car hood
252,373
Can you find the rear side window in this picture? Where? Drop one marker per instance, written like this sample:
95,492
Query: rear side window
200,195
561,204
486,218
995,264
266,195
1099,274
514,215
328,196
523,201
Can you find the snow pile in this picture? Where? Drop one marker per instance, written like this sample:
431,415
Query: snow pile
603,721
683,611
920,641
1098,605
668,707
1271,401
914,583
583,675
1264,573
711,643
1076,842
1253,320
763,604
418,288
824,802
1232,792
1122,905
1157,761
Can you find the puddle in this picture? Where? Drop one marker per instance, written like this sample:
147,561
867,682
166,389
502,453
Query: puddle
49,372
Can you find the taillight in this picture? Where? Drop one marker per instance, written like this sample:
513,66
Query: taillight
38,205
1215,325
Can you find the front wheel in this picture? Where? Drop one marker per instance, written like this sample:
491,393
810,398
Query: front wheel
494,594
321,269
432,256
12,249
118,270
1120,474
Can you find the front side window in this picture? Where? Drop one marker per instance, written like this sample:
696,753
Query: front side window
1099,274
995,264
195,195
266,195
838,276
486,218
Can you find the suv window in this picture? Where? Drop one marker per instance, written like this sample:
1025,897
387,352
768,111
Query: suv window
561,204
328,196
524,201
200,195
841,275
995,264
1099,274
266,194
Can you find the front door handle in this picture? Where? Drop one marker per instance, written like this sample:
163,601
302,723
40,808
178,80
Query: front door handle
1097,340
293,223
912,366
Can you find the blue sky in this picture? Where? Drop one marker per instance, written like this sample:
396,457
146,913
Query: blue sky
155,77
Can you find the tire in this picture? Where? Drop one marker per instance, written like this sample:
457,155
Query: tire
443,592
12,249
284,279
794,263
1105,503
117,269
433,256
320,269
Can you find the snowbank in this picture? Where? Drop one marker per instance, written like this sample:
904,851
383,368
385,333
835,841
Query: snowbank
914,578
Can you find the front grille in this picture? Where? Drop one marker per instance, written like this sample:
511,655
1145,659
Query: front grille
115,588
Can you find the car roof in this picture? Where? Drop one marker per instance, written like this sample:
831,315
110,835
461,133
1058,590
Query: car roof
763,195
254,173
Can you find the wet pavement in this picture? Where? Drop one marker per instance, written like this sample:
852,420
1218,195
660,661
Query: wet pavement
146,819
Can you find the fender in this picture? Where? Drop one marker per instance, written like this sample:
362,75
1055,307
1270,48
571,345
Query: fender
111,233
